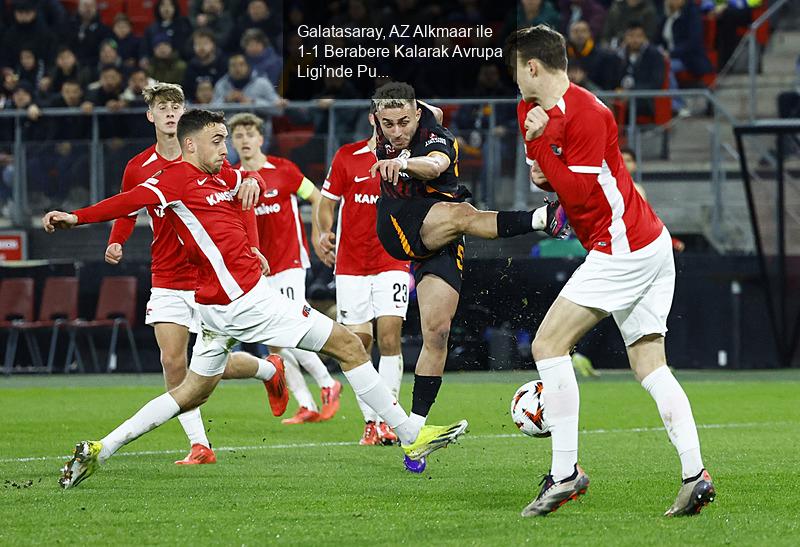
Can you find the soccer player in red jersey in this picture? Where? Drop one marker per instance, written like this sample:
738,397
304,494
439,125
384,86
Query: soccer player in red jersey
234,299
629,273
171,309
370,284
282,240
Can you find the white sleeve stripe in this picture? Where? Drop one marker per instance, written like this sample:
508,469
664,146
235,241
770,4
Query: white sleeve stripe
157,192
327,194
586,169
528,160
238,180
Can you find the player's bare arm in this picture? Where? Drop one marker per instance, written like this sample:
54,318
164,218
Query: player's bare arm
325,243
421,168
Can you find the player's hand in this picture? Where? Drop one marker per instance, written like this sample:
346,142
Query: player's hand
248,193
58,220
389,170
535,123
537,175
261,260
326,248
114,253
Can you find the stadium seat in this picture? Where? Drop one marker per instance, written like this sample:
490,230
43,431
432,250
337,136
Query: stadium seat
109,9
16,309
59,306
116,308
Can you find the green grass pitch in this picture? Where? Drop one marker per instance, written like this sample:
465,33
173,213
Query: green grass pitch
314,485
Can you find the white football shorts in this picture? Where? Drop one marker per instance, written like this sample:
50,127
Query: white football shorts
635,288
172,306
263,316
290,283
362,298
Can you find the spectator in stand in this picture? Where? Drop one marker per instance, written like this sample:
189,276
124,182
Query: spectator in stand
128,45
138,126
261,56
577,75
602,66
32,128
259,16
52,12
109,55
27,31
622,13
207,63
66,68
530,13
168,21
590,11
345,122
642,65
165,65
67,163
682,37
30,69
241,86
108,94
731,15
85,33
204,92
213,16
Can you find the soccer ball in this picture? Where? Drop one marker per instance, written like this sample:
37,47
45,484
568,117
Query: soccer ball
527,410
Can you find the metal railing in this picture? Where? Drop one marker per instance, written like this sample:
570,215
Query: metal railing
492,152
752,51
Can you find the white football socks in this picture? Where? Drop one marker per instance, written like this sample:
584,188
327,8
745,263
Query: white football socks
368,385
390,367
561,405
311,362
295,381
676,413
150,416
192,424
369,414
266,370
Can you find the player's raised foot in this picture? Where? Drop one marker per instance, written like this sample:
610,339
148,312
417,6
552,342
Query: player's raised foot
370,436
330,400
695,493
198,455
434,437
83,463
386,434
276,386
557,224
302,416
555,494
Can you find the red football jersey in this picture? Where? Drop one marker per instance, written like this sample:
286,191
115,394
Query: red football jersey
281,233
203,210
579,154
358,250
169,268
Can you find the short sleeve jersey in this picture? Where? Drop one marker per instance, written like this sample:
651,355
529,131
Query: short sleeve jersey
281,233
604,209
358,250
430,138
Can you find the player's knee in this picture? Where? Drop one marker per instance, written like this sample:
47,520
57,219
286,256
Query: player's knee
462,215
389,343
350,350
543,348
435,335
174,368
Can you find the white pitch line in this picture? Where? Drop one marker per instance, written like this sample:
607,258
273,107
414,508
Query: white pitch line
353,443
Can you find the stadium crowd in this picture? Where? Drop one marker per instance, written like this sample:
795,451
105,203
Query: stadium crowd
69,54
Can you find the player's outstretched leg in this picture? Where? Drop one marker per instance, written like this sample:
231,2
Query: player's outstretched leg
648,361
345,346
270,370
